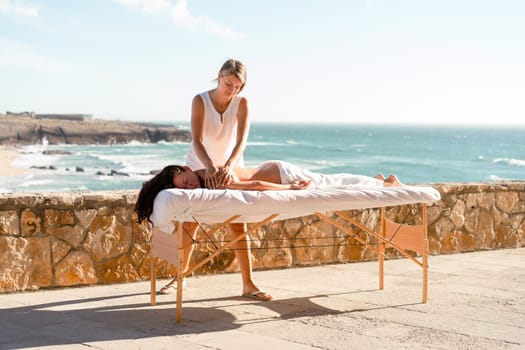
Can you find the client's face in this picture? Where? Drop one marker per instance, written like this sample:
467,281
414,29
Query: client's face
186,180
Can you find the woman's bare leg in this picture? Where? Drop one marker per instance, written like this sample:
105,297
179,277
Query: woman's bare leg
243,255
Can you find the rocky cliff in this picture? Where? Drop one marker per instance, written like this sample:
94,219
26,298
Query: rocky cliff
22,130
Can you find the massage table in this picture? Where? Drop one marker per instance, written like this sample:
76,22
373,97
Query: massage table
219,208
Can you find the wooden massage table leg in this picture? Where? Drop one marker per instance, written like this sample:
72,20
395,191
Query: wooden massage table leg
381,257
424,253
180,271
401,237
406,237
153,276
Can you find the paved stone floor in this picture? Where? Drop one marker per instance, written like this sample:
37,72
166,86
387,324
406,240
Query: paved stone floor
476,301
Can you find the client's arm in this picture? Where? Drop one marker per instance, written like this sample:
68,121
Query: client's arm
258,185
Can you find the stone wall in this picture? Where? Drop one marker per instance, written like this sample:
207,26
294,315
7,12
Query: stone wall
69,239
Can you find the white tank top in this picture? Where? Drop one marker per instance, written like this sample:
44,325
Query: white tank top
219,138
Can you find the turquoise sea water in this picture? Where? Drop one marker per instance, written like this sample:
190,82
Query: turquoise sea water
417,154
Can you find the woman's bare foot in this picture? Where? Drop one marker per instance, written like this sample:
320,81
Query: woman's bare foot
380,177
392,181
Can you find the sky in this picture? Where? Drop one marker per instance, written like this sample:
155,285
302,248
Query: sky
350,61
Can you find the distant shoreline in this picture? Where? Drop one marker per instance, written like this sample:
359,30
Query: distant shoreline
28,130
8,155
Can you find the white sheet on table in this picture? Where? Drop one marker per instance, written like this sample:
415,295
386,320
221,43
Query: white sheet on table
215,206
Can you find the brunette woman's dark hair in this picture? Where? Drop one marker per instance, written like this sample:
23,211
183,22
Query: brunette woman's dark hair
150,189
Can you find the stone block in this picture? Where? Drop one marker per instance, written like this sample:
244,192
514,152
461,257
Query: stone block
441,228
117,270
271,247
59,249
480,199
314,245
138,253
25,263
74,235
107,238
506,237
163,269
292,226
350,249
225,261
521,234
468,241
433,213
486,229
76,268
472,220
141,232
457,215
450,243
275,258
30,223
58,218
123,214
85,216
505,201
9,223
518,207
434,245
515,220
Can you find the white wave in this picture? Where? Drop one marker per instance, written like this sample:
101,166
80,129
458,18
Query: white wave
149,144
263,143
135,143
183,127
36,148
10,183
510,161
115,159
27,160
36,183
495,178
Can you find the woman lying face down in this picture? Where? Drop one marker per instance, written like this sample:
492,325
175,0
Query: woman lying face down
279,175
270,175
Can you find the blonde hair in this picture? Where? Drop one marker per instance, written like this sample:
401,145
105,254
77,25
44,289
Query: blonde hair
236,68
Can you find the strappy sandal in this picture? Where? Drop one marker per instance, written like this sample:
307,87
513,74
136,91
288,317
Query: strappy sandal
257,295
171,288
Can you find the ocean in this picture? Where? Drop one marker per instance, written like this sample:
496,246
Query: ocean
416,154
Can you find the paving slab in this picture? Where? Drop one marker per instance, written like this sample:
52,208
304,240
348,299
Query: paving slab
476,301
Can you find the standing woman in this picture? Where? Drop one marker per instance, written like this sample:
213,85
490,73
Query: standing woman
220,125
